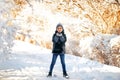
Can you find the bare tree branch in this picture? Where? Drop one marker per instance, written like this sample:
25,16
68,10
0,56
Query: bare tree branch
30,5
117,2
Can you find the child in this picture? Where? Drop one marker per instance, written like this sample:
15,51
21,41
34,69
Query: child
58,39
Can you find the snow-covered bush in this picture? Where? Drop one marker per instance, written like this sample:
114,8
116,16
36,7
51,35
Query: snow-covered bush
104,48
115,51
6,41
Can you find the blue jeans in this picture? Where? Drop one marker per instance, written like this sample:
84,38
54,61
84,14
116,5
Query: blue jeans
54,58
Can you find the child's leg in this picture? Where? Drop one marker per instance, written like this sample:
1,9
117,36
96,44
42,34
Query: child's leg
54,57
62,58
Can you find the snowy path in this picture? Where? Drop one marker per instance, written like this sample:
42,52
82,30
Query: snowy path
29,62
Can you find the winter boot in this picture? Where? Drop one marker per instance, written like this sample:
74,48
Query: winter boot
49,74
65,75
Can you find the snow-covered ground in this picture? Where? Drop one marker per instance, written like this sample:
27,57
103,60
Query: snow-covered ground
30,62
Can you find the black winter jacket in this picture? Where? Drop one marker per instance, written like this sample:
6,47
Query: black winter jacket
59,43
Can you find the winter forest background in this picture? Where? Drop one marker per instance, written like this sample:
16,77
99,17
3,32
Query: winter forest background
92,26
93,33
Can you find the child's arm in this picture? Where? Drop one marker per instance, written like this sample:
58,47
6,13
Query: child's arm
63,38
55,38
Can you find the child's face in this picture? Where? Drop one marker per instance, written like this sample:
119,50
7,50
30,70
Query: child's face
59,29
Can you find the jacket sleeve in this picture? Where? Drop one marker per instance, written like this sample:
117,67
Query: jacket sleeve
63,38
55,38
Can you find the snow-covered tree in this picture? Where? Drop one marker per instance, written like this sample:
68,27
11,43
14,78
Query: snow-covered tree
7,29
